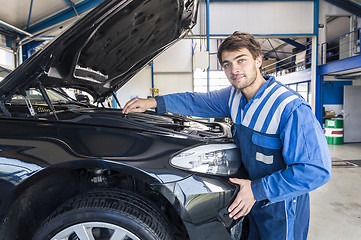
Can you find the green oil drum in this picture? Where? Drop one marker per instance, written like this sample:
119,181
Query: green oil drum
334,131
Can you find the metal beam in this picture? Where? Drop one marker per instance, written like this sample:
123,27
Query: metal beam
29,17
316,78
268,52
64,15
340,65
71,4
208,48
7,33
222,36
27,48
294,43
274,50
271,51
15,29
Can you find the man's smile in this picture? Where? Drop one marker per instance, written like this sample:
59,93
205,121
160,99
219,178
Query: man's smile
238,77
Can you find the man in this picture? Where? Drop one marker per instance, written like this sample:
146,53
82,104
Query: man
282,144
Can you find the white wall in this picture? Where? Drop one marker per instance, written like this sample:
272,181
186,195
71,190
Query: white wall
174,83
274,17
176,58
138,86
6,54
173,68
6,58
172,73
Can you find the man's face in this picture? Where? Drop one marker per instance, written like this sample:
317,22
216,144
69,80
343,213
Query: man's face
240,67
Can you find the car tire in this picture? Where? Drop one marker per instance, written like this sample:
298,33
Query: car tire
106,214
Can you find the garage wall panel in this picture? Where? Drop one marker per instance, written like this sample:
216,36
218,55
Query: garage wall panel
174,83
138,86
175,59
173,68
172,74
261,17
6,58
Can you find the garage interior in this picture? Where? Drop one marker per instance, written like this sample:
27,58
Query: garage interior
312,46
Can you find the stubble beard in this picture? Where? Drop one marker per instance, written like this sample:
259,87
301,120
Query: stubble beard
246,83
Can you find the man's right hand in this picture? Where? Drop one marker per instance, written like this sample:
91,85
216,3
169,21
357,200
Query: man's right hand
139,105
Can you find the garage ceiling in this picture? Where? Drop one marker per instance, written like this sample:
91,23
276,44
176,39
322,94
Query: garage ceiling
32,15
16,12
35,15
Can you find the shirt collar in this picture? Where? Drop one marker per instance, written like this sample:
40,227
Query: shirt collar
269,81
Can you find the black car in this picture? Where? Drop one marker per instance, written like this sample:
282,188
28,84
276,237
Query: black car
74,170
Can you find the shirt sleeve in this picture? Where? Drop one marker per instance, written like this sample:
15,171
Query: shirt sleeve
212,104
306,154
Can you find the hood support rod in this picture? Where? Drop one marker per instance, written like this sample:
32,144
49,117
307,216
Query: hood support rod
117,100
47,99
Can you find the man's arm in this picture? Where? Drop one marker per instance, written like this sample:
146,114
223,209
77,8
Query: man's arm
210,104
139,105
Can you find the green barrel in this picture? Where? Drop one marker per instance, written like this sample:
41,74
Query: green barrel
334,131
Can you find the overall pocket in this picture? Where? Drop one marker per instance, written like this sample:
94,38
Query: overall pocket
267,152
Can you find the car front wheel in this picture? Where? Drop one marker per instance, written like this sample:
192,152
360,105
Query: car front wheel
106,215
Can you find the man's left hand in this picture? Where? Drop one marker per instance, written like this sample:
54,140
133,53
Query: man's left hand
244,200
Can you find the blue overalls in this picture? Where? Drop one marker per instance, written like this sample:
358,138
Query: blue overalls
283,150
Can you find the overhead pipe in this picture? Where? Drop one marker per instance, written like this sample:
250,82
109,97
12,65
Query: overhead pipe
40,32
315,74
30,10
207,32
15,28
58,19
151,64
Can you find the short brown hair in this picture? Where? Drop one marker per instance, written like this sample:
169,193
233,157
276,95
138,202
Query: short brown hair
240,40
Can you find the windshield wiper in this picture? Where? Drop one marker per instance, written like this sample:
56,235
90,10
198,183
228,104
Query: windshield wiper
60,102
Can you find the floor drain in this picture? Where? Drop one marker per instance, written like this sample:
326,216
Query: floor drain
355,162
346,163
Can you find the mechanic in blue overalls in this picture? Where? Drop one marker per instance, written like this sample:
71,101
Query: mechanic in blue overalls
282,144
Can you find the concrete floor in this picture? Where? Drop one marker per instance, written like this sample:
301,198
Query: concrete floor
336,206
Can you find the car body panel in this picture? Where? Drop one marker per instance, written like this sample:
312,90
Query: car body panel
142,152
54,148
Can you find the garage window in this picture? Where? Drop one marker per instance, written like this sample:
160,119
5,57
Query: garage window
217,80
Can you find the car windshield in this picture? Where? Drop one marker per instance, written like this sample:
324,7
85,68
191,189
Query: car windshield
35,97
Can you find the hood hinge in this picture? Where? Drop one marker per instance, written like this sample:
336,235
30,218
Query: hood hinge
3,108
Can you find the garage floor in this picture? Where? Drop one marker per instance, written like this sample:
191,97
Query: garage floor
336,206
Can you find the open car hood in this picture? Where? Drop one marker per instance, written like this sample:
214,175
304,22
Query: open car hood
105,48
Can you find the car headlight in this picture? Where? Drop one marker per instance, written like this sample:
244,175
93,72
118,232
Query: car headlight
216,159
